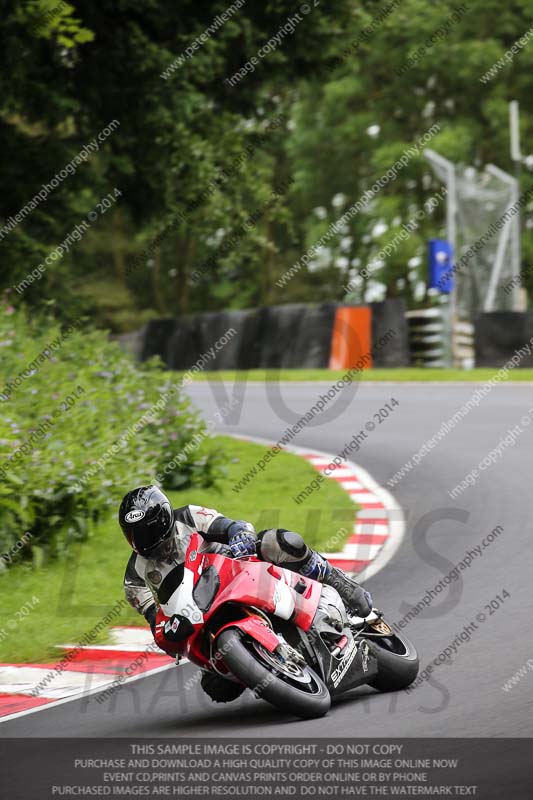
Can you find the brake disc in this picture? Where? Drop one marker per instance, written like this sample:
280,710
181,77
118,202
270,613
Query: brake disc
289,668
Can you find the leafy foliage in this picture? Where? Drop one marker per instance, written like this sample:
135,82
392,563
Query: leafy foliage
70,445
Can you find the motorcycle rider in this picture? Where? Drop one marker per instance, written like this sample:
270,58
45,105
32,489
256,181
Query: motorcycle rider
159,536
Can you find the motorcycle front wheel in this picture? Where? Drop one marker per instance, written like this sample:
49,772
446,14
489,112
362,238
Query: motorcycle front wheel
290,687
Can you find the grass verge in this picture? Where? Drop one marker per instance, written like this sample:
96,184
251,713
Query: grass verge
76,593
400,374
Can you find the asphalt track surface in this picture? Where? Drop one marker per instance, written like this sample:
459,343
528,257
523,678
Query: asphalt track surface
463,697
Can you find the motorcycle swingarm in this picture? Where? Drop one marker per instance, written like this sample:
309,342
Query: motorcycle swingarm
357,666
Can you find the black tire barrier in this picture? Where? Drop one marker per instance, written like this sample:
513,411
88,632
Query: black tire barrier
296,335
195,334
499,334
292,336
390,315
184,346
156,337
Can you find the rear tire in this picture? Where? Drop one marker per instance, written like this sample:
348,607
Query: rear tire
257,674
398,663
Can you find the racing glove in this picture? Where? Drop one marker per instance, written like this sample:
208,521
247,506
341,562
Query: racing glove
242,539
176,628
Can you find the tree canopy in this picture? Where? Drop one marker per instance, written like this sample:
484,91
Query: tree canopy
229,138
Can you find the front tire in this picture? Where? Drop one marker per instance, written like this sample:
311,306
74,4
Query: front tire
304,695
398,663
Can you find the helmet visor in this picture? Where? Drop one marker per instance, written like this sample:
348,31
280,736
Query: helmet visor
146,535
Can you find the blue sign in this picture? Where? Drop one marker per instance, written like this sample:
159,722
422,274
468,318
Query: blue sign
440,262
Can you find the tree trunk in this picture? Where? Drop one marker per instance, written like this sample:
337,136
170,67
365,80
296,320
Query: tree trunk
117,247
156,282
186,251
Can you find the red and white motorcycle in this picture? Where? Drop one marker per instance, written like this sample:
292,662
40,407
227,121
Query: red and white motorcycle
266,628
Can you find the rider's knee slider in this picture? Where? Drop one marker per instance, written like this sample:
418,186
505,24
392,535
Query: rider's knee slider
291,543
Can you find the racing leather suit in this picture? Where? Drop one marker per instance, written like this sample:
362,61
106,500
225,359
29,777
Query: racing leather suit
150,581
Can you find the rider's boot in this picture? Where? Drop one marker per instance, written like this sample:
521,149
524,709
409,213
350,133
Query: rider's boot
356,599
219,689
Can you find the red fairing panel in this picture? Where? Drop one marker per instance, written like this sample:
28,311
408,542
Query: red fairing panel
258,629
271,588
306,605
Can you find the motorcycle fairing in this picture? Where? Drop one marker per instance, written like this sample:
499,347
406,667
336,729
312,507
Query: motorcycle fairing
250,583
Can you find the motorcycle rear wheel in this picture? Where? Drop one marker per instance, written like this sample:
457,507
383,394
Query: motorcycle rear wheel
303,693
398,663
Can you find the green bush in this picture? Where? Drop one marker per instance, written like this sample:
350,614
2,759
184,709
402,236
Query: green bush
80,425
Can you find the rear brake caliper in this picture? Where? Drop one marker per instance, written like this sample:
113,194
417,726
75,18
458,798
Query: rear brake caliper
380,626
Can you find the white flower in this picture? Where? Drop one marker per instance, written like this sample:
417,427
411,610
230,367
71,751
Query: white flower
346,242
375,292
379,229
355,280
341,262
420,290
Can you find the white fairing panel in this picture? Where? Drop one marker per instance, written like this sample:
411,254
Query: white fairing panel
182,601
284,600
